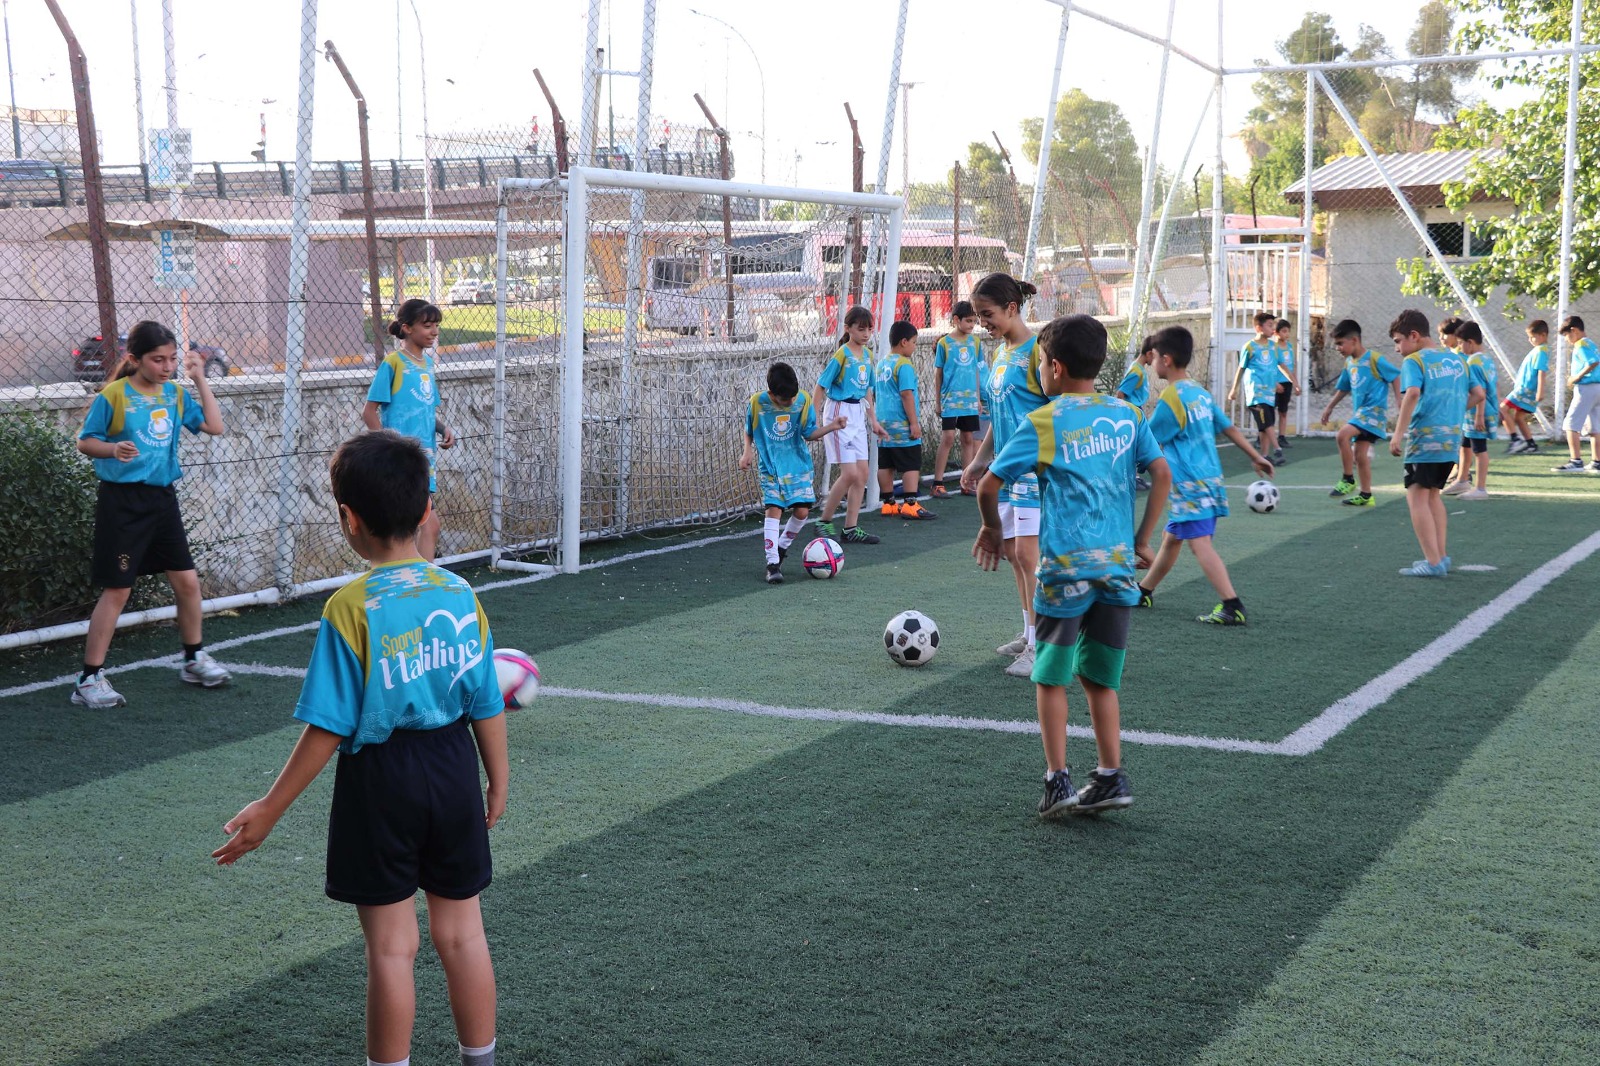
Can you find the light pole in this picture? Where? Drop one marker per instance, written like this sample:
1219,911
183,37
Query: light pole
427,160
138,78
11,77
759,73
905,136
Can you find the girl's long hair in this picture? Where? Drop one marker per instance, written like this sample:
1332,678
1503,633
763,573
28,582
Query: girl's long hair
856,316
411,313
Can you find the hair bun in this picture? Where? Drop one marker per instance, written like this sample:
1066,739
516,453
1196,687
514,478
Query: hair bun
1028,288
395,330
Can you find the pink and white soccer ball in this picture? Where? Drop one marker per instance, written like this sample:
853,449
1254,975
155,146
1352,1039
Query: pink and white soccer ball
518,675
823,558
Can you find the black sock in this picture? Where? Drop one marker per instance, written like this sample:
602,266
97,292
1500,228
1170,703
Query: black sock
885,497
1235,604
189,651
88,669
1348,476
1145,592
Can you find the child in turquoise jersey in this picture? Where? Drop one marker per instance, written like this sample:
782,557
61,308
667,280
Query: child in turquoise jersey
900,415
845,388
1261,374
1434,399
1528,391
1135,386
778,424
131,433
1289,387
1015,390
959,368
402,685
1085,449
1477,429
1369,380
405,397
1185,423
1583,409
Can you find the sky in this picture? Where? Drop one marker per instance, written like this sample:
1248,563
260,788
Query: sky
977,68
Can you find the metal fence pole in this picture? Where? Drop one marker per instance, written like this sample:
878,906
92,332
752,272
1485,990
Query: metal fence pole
1046,135
1219,250
632,288
1568,177
375,299
497,485
1143,268
1302,407
574,254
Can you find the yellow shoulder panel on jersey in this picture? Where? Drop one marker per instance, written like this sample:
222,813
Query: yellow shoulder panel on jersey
116,396
1174,403
346,612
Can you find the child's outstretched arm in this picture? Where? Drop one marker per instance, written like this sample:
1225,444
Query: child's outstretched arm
822,431
1154,505
249,828
986,549
1257,460
491,736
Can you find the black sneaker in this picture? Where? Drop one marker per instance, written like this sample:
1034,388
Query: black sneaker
1221,616
1146,599
1104,792
855,535
1277,457
1594,467
783,553
1058,795
774,575
1571,466
1285,442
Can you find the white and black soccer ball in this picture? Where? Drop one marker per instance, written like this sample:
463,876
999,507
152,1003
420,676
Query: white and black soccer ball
911,639
1262,496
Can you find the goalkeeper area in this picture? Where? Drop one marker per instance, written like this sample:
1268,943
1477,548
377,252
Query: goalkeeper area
739,833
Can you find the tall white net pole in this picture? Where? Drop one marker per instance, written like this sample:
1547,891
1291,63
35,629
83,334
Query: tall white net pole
873,279
175,199
138,81
295,320
1047,132
574,254
631,285
497,484
1302,336
591,88
1219,250
1143,269
1569,169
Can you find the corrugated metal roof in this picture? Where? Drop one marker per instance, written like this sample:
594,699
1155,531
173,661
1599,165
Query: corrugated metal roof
1409,170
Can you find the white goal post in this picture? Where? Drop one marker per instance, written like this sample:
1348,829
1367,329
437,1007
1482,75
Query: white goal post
611,287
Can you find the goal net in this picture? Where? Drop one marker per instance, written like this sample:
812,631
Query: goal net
636,314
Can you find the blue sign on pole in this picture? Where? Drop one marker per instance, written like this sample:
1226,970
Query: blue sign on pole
175,265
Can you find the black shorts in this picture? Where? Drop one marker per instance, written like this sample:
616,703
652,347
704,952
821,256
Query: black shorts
1428,475
900,459
408,814
137,530
965,423
1282,395
1365,436
1476,445
1264,414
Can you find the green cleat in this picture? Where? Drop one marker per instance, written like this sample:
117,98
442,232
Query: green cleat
1222,617
1361,499
1345,487
828,529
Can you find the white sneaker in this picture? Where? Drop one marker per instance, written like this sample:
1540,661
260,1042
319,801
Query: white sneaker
1022,665
1474,494
1456,488
1013,648
96,692
204,670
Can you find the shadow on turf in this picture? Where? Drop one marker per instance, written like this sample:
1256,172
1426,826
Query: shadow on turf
887,896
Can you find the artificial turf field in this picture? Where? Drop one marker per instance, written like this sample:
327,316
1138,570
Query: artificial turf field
698,868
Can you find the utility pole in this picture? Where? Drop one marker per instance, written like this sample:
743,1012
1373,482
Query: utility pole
905,135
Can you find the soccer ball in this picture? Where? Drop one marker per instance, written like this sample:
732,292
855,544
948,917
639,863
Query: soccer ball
911,639
518,675
1262,496
823,558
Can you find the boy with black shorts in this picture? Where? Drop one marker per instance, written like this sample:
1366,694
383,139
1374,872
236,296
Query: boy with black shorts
900,416
401,682
1434,396
1369,380
1260,372
1086,449
959,368
1290,385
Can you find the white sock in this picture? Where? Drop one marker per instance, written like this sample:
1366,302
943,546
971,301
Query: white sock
770,530
398,1062
1027,633
1104,772
478,1056
791,530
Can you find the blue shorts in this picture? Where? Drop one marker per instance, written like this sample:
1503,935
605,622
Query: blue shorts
791,491
1193,529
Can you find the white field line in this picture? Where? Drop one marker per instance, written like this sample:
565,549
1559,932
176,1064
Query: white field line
1520,494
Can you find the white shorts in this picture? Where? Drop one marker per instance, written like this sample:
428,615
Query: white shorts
1018,521
849,445
1583,407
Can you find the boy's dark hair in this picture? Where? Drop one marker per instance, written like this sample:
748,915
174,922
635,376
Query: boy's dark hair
1570,323
1451,327
1004,289
1409,321
1263,317
900,332
1539,327
1283,324
1176,343
1149,344
412,313
1078,343
782,381
1470,331
963,309
383,477
1347,327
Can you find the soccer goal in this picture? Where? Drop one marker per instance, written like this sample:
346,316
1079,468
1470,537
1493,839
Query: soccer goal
636,313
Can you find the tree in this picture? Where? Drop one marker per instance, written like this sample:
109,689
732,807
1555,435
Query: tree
1094,160
998,208
1523,146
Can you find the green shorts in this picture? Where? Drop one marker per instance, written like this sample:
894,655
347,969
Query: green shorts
1091,646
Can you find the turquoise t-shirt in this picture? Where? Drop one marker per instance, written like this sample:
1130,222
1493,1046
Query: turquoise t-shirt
1366,378
847,375
964,367
1285,359
1260,362
1483,373
1434,435
407,393
895,375
1536,362
1015,392
779,435
404,646
1086,450
1185,423
1586,357
121,412
1135,385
